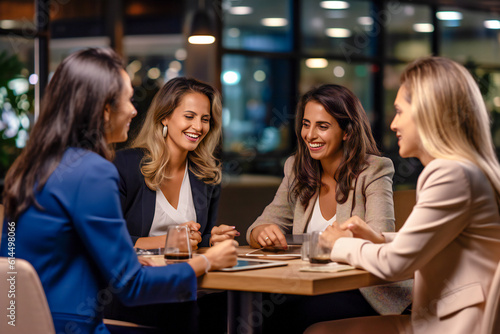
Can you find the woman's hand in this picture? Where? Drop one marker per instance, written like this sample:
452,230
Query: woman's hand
360,229
147,261
267,235
223,232
194,235
332,233
222,255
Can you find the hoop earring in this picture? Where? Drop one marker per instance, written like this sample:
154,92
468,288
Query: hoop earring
165,131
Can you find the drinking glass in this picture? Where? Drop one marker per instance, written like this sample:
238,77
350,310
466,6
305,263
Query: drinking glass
177,245
317,252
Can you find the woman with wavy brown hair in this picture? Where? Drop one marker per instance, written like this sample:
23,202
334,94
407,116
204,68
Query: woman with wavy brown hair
336,173
170,175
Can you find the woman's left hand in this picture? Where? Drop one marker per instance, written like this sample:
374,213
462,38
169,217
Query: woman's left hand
194,234
332,233
146,261
223,232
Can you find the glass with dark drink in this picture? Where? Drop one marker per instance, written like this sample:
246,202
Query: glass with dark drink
317,252
177,245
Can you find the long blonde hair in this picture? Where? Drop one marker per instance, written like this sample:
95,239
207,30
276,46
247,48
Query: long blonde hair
450,114
203,162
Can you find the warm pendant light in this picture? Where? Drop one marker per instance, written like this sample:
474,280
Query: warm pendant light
202,31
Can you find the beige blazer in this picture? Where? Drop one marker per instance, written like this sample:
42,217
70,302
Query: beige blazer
450,242
370,198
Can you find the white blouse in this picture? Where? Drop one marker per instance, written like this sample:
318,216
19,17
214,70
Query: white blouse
317,222
166,214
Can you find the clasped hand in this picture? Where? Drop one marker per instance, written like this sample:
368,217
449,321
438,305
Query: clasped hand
353,227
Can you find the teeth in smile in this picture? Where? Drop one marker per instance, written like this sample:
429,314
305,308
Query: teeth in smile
314,145
192,135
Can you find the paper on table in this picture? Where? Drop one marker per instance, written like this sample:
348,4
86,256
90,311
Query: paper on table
291,252
331,267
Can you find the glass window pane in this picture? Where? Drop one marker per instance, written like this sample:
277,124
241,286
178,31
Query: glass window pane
409,33
348,30
465,35
258,25
16,97
257,115
489,84
406,170
358,77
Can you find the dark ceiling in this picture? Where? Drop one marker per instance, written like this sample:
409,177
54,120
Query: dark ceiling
487,5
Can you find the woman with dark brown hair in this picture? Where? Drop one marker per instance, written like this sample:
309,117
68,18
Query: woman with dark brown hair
62,202
336,173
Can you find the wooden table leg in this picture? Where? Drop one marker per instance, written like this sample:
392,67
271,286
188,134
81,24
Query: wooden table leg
244,312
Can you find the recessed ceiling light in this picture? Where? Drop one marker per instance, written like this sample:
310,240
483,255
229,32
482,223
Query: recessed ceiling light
7,24
365,20
492,24
241,10
423,27
274,22
202,39
449,15
338,32
316,62
334,4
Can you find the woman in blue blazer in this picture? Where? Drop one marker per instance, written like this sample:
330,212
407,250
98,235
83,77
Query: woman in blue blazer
170,175
61,195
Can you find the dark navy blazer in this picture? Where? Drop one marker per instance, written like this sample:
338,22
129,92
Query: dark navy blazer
79,246
138,201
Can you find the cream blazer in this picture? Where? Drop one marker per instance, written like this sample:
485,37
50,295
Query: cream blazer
450,243
370,198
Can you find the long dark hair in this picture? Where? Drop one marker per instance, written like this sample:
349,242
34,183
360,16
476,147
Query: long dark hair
347,110
72,115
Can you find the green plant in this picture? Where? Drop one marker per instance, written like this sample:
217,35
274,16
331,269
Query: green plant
16,108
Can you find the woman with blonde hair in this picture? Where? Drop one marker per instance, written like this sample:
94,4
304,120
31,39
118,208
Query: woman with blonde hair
170,175
450,242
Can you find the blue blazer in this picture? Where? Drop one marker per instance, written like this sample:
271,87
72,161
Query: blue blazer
79,245
138,201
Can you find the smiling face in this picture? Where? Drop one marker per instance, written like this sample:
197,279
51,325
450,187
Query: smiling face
322,134
188,124
120,116
410,144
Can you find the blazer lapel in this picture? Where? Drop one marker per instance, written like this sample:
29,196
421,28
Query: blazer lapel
199,192
148,208
301,216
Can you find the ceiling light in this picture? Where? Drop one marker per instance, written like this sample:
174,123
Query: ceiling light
338,71
338,32
202,29
365,20
492,24
7,24
259,75
274,22
449,15
334,4
231,77
316,63
423,27
241,10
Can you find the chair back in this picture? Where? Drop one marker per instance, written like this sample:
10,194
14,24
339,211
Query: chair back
23,299
404,201
491,320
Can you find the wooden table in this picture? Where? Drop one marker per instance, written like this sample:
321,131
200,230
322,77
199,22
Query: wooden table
245,288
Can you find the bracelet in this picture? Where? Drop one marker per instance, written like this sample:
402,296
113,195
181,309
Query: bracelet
207,268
